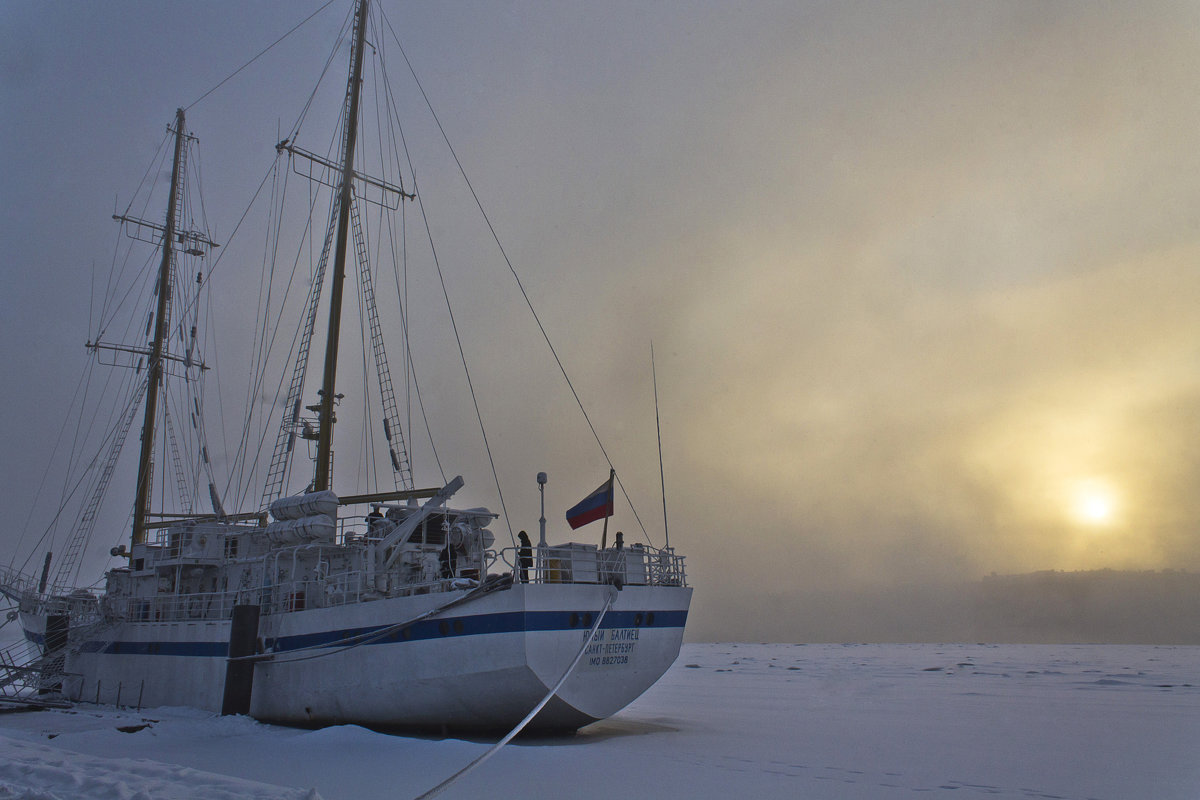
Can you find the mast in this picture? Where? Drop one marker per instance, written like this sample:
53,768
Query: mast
141,504
322,477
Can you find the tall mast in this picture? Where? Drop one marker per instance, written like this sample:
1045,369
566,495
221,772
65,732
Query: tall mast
322,477
141,505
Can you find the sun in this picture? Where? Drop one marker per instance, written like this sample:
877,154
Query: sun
1093,502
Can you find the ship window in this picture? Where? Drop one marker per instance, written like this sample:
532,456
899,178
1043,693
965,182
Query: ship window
650,618
637,620
587,620
574,621
139,564
406,633
458,626
443,628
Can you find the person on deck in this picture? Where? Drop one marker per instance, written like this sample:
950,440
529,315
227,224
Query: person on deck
525,555
374,520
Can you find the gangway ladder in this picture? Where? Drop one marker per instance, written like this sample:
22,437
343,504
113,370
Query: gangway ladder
30,676
14,661
392,431
27,674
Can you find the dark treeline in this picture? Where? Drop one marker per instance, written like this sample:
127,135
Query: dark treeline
1049,607
1091,606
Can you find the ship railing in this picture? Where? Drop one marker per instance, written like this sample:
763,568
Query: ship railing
80,606
336,589
194,607
350,587
350,530
635,565
17,586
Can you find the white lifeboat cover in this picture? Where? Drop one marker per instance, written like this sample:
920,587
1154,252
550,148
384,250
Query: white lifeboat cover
307,529
313,504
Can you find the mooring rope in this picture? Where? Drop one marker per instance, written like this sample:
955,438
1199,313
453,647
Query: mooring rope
330,649
441,787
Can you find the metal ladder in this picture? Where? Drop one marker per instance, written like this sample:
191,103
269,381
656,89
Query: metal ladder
277,473
392,431
185,496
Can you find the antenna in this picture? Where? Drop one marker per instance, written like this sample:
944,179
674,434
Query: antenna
658,428
541,479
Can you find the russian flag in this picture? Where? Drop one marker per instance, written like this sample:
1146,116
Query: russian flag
597,505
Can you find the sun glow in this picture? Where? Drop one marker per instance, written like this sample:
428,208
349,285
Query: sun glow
1093,502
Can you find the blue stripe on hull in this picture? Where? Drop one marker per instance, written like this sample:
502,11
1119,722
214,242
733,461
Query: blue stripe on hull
159,648
510,622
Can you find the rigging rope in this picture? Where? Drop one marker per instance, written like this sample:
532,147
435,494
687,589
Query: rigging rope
402,301
466,370
257,57
346,26
587,640
152,167
344,645
84,380
86,474
258,365
454,326
504,254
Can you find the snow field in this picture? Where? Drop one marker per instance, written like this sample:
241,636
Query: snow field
1062,722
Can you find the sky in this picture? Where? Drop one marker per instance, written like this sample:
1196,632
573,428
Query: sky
919,277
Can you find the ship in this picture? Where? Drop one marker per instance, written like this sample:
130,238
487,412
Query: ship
385,606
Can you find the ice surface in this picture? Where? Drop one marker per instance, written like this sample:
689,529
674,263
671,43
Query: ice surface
1078,722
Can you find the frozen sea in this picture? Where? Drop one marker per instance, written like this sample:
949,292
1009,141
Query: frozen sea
1069,722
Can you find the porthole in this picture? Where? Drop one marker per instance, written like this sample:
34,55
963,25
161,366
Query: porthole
650,618
406,633
587,620
458,626
444,628
574,620
637,620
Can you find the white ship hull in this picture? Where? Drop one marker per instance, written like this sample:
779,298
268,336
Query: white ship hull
480,666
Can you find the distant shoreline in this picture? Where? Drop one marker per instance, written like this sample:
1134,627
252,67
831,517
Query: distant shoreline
1046,607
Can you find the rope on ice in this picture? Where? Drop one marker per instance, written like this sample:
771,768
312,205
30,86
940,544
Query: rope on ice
435,791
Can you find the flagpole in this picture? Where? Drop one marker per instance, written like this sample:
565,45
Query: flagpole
604,536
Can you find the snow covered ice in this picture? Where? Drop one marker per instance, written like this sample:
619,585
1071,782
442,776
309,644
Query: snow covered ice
1077,722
